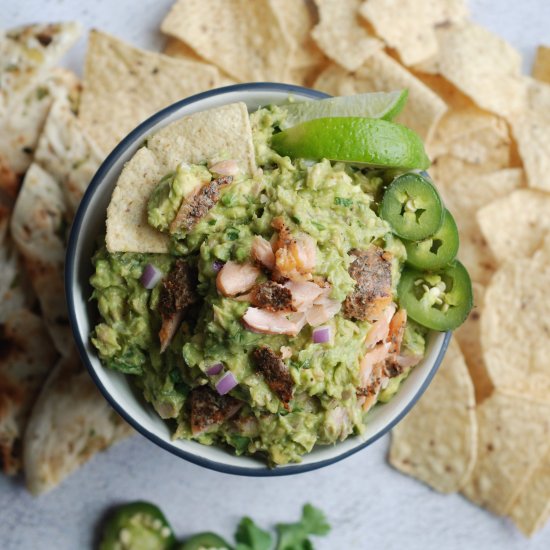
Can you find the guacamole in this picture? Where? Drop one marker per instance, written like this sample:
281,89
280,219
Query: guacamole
275,326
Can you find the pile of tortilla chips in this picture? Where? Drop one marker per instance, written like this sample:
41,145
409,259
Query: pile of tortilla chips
483,426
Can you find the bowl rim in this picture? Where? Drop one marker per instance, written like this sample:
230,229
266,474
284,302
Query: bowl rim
70,271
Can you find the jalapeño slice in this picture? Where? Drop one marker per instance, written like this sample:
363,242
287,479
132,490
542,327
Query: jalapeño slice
139,526
412,206
439,300
204,541
435,251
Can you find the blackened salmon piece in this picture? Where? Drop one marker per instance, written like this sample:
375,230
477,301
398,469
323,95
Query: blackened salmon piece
271,296
371,270
178,289
275,373
177,293
209,409
395,338
197,205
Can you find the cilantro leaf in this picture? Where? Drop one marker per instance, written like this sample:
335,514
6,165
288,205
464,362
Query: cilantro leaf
250,537
295,536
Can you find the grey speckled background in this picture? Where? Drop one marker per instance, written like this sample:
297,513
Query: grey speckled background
370,505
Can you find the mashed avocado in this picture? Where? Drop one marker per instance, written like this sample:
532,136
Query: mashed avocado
334,205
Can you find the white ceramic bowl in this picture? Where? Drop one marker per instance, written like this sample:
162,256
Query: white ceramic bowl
89,224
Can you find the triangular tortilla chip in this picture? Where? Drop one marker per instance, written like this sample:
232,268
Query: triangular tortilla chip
70,422
391,20
27,53
483,66
531,509
124,85
28,355
38,228
342,35
381,73
21,127
67,153
515,327
190,139
437,441
512,439
245,39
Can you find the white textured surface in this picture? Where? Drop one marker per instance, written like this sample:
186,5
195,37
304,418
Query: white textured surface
369,505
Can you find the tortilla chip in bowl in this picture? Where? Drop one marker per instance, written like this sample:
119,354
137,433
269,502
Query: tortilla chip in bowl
115,199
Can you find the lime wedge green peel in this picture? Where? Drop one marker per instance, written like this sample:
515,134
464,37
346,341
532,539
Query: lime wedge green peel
372,142
385,105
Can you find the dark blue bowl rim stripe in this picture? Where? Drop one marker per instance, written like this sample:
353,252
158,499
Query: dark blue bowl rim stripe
70,270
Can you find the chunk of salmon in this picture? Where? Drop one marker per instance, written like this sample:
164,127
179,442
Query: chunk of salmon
198,204
209,409
262,252
234,278
274,372
304,294
371,271
295,255
395,339
271,296
168,329
372,358
269,322
380,329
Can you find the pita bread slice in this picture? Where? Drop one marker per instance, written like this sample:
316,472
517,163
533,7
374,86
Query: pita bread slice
20,128
38,225
244,39
70,422
27,53
190,139
28,355
67,152
124,85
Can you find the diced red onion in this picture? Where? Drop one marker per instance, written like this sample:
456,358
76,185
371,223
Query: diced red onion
226,383
214,369
321,335
217,265
151,276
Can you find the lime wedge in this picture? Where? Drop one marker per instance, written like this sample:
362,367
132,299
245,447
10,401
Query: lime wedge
386,105
372,142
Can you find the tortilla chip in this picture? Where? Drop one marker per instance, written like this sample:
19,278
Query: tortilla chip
483,66
541,68
247,40
70,422
453,97
436,441
516,325
38,225
465,191
28,355
531,509
532,133
468,337
179,49
391,20
21,127
299,18
67,153
381,73
189,139
342,35
124,85
515,225
513,435
27,53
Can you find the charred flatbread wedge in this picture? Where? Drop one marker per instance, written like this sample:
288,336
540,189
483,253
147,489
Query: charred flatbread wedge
21,126
70,422
67,152
26,358
38,226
